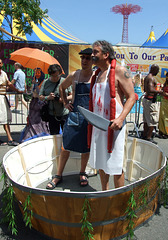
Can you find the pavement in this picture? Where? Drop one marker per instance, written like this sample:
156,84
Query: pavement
154,229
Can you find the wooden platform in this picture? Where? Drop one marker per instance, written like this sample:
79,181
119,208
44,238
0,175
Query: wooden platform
71,183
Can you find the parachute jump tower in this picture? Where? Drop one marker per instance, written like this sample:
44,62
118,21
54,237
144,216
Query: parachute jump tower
125,10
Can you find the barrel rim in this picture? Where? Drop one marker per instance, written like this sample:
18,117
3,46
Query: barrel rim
98,194
76,194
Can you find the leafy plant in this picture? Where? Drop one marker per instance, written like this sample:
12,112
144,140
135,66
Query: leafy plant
130,210
8,209
20,15
3,177
86,228
28,213
144,194
165,187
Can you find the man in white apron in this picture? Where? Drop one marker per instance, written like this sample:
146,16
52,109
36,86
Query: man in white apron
110,84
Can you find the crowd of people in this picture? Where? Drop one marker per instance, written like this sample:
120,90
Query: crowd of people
106,90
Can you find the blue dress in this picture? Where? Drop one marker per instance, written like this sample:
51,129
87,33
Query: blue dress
136,106
75,128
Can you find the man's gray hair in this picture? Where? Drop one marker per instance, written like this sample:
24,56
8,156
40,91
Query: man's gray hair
18,64
106,47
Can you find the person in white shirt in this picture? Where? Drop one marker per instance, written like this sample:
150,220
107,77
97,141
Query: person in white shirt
5,112
19,81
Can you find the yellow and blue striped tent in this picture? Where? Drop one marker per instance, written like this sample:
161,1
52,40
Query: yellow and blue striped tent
151,39
48,32
162,42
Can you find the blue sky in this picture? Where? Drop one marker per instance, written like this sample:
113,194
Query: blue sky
90,20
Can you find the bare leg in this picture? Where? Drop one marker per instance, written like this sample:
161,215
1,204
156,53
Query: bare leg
16,101
7,130
104,180
24,102
149,133
84,161
64,155
119,180
145,130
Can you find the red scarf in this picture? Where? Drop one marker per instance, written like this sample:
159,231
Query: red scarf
112,104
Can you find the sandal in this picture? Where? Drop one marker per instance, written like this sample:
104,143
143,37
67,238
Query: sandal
13,143
3,143
83,180
53,185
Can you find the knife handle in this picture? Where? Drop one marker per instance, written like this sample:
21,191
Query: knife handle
111,122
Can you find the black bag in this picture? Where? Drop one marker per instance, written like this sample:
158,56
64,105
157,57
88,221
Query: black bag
27,97
44,112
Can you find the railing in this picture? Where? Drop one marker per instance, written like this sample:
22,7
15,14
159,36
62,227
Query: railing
135,117
19,117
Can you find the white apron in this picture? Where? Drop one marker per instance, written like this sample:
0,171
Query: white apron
111,163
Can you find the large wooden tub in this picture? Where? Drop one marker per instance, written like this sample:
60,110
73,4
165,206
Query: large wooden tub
58,213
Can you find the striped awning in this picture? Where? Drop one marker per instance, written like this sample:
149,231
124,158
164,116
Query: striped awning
49,32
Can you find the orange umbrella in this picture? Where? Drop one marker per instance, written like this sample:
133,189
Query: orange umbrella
34,58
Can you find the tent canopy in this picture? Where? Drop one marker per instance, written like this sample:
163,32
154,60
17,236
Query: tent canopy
162,42
49,31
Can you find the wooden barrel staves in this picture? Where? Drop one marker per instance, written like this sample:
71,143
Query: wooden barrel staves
58,214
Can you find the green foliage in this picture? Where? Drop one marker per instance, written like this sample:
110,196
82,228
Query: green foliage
19,14
165,187
3,177
28,213
86,228
130,210
8,209
144,194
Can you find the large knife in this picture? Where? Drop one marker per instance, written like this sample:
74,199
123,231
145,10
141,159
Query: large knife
93,118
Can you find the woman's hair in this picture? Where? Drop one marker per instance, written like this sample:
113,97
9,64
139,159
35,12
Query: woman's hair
167,74
54,68
41,78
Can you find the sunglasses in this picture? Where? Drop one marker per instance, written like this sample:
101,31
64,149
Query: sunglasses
85,57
